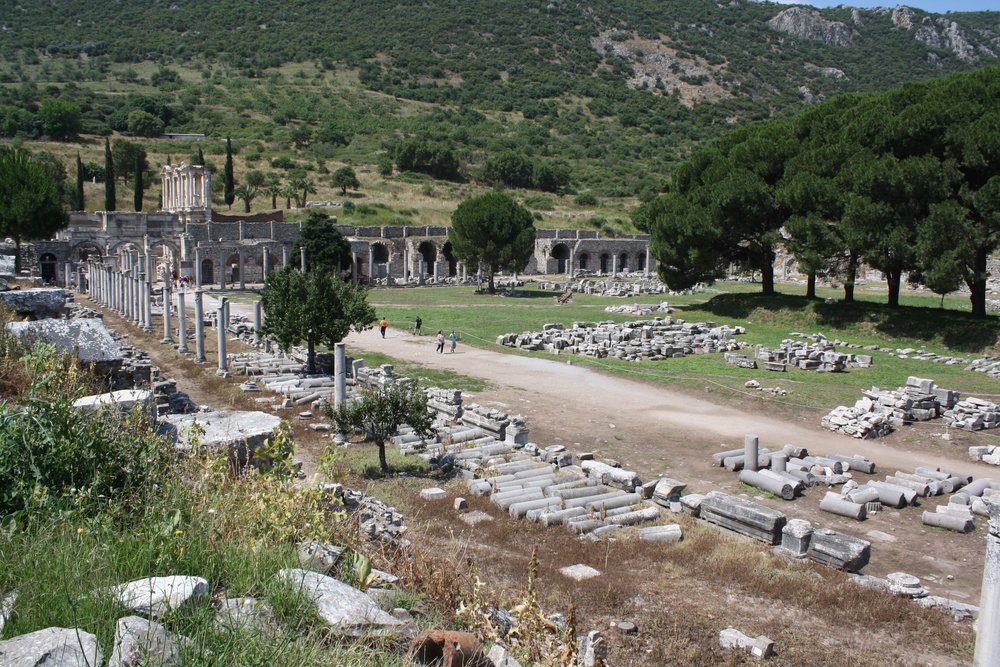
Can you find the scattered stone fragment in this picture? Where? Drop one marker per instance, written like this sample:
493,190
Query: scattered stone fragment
461,504
669,534
472,518
319,556
628,628
433,493
593,649
344,608
245,614
155,596
579,572
501,657
761,646
141,642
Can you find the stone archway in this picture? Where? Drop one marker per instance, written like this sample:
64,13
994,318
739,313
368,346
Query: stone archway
47,267
561,254
605,263
623,263
449,257
584,260
428,253
88,251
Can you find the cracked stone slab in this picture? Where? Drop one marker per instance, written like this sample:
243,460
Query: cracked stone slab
65,647
39,302
87,338
238,433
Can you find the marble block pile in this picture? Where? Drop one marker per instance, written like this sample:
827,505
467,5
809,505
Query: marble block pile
796,537
973,414
986,453
975,493
880,411
620,288
818,356
263,363
656,339
642,309
988,365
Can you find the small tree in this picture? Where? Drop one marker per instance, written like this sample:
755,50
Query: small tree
144,124
326,248
246,194
492,232
30,203
137,185
60,119
228,181
318,308
378,413
80,203
109,178
345,178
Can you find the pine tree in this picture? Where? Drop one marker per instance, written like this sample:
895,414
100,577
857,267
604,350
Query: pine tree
109,178
79,204
227,176
138,184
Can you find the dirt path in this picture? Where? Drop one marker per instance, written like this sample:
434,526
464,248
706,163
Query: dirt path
598,410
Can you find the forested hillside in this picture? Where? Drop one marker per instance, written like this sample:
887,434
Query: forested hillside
616,93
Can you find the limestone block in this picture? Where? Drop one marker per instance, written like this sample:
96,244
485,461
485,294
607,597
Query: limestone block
743,516
139,641
624,479
237,433
593,650
667,490
154,596
501,657
795,537
65,647
38,303
839,550
86,338
124,399
433,493
344,608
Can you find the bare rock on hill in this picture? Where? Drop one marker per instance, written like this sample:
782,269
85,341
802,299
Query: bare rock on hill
810,24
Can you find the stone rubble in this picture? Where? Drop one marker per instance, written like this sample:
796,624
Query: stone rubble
656,339
881,411
641,309
819,356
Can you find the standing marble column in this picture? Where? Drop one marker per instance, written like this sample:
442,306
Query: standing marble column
68,273
167,338
197,267
243,282
265,265
339,374
371,265
199,328
256,322
406,265
645,266
614,265
222,272
751,447
988,625
223,370
182,323
302,259
284,256
147,296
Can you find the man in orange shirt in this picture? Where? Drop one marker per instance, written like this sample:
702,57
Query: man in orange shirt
382,325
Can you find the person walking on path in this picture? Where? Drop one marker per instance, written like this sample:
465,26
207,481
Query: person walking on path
454,340
382,326
417,325
440,341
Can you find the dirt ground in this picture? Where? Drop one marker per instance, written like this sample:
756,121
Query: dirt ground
657,430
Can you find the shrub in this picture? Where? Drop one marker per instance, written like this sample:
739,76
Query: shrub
53,456
586,199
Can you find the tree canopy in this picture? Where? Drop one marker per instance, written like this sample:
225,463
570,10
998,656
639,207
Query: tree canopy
345,178
493,233
904,181
318,308
31,204
326,248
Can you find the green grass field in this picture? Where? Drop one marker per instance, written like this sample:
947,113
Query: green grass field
921,324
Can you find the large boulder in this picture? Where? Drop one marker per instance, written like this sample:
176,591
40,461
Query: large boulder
238,434
346,609
810,24
65,647
36,303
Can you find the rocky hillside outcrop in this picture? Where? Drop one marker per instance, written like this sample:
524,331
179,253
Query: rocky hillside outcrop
810,24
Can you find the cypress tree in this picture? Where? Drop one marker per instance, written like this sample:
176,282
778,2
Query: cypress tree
80,204
137,182
227,176
109,178
201,157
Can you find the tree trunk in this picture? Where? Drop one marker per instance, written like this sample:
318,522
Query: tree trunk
893,278
852,274
811,285
246,205
17,257
977,285
767,271
274,201
311,360
491,288
381,457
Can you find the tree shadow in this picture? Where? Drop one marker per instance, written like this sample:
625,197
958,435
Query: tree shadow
957,330
521,294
